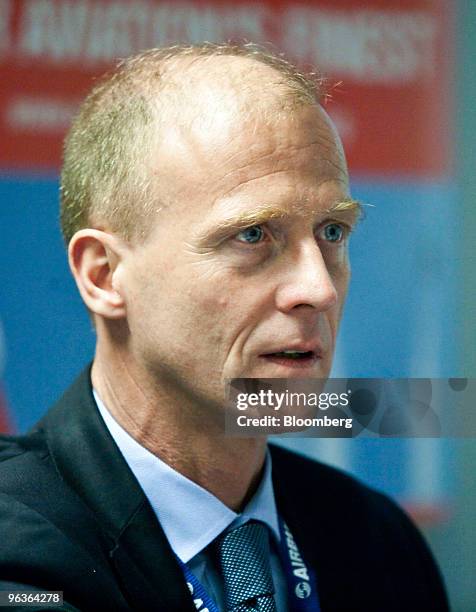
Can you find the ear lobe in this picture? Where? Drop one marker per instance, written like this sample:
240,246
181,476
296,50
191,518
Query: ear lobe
93,257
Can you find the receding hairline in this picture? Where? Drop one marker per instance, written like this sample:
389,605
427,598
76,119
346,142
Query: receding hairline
230,72
176,59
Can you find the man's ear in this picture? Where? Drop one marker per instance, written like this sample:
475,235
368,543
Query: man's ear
93,258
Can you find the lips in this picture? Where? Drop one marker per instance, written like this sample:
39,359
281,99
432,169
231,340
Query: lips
292,354
295,350
303,356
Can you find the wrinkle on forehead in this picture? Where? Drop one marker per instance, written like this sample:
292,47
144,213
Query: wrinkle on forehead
311,147
244,142
323,150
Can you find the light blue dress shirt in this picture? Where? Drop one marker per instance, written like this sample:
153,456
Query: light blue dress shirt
192,517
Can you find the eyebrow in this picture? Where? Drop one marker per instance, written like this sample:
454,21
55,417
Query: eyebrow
265,213
347,205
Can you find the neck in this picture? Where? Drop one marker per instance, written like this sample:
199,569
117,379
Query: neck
177,431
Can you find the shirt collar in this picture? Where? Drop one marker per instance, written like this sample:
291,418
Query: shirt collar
190,516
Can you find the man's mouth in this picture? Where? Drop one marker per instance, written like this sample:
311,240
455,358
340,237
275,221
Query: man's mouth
292,354
292,358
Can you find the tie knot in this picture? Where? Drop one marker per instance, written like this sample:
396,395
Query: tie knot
243,557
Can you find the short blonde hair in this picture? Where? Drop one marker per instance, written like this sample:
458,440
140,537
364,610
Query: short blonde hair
105,180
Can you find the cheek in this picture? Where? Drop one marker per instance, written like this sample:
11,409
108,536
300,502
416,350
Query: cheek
214,288
215,308
223,302
340,274
212,300
230,305
342,285
340,277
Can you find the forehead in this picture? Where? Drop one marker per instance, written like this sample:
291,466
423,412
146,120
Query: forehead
289,157
299,150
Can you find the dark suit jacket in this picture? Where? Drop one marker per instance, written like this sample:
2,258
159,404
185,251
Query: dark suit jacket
73,518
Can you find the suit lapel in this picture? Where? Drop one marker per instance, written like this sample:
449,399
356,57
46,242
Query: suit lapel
146,565
88,459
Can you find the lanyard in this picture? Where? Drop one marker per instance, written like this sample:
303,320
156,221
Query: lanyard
300,578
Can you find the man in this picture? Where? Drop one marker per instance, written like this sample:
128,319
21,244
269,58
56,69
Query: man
206,208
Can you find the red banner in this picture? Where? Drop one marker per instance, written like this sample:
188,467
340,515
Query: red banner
393,61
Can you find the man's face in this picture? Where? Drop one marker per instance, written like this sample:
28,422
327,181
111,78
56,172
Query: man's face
246,270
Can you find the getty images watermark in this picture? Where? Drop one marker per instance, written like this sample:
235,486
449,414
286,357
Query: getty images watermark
351,407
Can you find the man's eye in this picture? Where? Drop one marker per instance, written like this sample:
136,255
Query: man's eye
251,235
334,232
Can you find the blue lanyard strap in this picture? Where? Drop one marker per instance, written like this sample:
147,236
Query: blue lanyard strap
202,600
300,578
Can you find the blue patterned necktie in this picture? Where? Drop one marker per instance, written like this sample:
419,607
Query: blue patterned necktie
243,559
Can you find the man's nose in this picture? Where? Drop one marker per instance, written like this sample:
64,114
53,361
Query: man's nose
306,282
